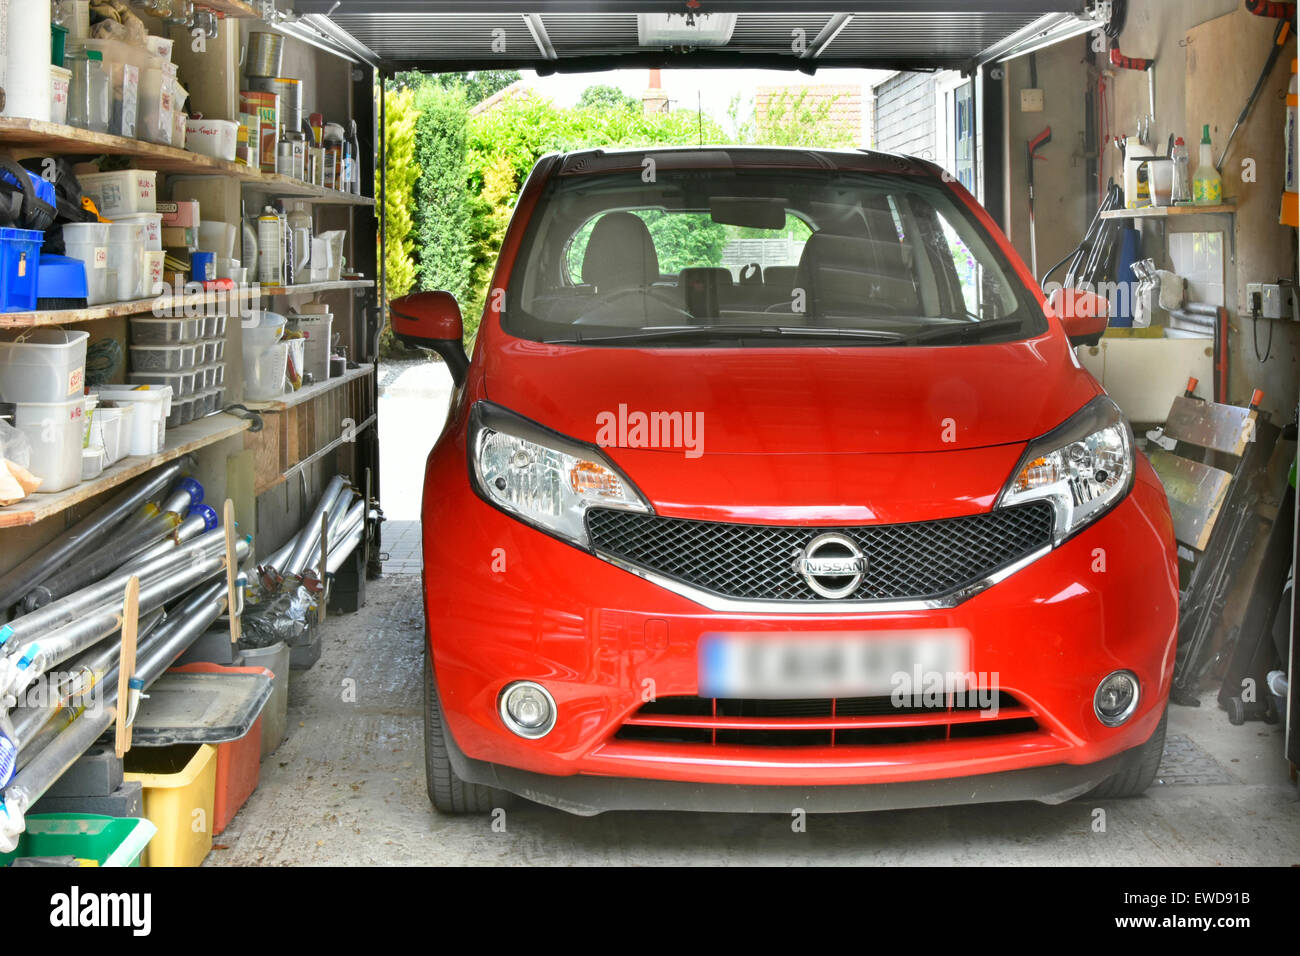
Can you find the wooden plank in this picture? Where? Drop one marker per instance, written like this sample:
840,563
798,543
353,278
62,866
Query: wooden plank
230,8
180,441
309,392
1225,428
126,664
1196,495
266,447
1163,212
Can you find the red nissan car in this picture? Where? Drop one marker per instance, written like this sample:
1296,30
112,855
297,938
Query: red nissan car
774,483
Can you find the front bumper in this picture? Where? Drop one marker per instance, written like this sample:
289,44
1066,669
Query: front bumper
506,602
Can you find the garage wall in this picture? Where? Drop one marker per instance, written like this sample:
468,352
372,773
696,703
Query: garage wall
1063,204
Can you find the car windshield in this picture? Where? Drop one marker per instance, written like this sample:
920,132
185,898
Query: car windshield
740,257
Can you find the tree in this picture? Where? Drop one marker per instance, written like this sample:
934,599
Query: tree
442,198
479,84
401,173
607,98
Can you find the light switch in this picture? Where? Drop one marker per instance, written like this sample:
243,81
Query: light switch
1031,101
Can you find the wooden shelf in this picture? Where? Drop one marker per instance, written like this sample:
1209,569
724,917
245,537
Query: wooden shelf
303,395
309,288
180,441
230,8
59,139
168,305
1163,212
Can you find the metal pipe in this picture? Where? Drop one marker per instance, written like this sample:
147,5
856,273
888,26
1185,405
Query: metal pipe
52,761
201,518
180,499
103,560
60,612
85,673
36,657
303,549
83,535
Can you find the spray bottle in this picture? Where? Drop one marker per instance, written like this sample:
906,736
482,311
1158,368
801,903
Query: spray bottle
1207,186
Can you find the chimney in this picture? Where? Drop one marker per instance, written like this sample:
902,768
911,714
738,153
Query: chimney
654,99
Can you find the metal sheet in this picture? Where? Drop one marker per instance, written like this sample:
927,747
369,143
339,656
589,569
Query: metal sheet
1225,428
200,708
1196,495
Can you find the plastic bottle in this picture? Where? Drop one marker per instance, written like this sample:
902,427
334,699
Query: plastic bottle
346,182
354,184
1182,172
268,247
101,93
300,229
1136,191
78,87
1207,186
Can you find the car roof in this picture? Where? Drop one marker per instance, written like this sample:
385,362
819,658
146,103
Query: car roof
597,161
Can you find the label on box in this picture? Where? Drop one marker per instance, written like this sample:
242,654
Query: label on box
100,260
76,380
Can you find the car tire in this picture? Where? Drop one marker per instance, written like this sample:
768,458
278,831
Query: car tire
1139,767
447,792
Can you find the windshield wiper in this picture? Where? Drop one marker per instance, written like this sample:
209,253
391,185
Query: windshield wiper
689,332
962,333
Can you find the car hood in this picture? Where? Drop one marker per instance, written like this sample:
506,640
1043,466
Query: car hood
791,401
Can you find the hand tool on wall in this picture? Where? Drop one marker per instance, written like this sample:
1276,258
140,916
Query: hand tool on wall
1280,36
1031,153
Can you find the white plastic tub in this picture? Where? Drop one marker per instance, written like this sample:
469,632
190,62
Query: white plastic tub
123,192
264,372
88,243
211,137
151,404
152,222
42,365
106,431
55,431
126,245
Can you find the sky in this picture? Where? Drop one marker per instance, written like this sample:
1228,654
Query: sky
711,90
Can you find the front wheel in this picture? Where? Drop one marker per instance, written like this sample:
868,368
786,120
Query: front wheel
448,792
1138,769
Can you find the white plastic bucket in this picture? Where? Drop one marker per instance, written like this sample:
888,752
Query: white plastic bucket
264,372
211,137
151,405
42,365
152,222
60,79
126,242
106,431
54,430
88,242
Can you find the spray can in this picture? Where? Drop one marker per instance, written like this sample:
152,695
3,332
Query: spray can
1182,173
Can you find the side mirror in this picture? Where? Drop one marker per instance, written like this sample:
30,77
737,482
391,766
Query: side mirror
431,320
1083,314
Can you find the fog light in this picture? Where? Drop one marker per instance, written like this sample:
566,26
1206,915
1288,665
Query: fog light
1116,698
527,709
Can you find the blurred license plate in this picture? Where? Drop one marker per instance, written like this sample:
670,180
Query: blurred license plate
853,664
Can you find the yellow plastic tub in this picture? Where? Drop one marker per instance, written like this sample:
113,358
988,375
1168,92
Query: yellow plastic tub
179,789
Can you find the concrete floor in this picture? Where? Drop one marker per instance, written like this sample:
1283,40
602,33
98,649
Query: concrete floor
347,785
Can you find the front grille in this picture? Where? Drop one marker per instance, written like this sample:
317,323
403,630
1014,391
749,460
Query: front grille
920,560
830,722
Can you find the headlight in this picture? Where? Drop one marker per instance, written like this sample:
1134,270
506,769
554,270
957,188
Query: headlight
1083,467
542,477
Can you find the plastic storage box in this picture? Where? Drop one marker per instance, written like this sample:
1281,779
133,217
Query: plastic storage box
55,431
179,791
20,251
121,193
88,243
108,841
42,365
182,384
163,358
150,331
150,406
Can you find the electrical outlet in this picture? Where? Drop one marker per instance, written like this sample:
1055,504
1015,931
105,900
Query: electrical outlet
1275,301
1031,101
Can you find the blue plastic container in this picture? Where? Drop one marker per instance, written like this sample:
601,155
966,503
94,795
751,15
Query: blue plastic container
19,260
